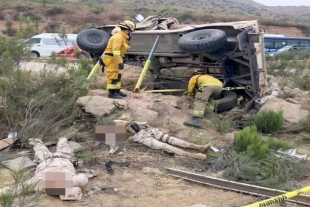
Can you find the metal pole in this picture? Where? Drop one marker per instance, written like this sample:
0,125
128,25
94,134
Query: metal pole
146,66
95,68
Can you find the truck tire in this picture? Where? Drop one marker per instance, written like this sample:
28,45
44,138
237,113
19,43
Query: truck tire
227,101
93,40
203,41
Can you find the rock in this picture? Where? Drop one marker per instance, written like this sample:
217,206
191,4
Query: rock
293,113
182,71
82,101
98,92
97,105
75,146
164,109
143,115
130,77
121,104
20,163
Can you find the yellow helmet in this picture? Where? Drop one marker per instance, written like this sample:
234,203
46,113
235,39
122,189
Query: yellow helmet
127,24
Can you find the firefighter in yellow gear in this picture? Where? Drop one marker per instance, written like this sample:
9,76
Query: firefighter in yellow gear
113,58
203,88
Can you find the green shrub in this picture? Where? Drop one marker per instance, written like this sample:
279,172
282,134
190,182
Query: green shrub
302,82
269,121
254,161
222,123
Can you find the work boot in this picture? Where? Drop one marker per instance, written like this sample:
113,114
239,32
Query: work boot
196,122
201,148
119,92
113,94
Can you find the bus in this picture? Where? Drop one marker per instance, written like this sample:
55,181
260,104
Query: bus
274,43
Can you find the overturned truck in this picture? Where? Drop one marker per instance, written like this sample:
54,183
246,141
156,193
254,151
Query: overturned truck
230,51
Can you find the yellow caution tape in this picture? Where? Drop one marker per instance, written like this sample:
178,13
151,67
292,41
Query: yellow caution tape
280,198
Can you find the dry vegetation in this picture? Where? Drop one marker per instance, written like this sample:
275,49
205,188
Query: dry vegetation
75,15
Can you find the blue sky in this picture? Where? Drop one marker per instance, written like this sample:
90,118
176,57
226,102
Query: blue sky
284,2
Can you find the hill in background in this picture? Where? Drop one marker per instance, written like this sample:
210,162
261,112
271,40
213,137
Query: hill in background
75,15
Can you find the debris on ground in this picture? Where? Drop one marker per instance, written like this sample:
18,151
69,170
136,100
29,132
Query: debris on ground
20,163
4,143
292,153
109,164
97,189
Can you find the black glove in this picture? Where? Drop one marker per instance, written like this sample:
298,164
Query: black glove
121,66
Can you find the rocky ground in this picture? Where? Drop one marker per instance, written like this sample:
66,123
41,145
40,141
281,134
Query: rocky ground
145,181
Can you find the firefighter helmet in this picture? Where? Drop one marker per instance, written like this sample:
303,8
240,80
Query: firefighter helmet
198,71
127,24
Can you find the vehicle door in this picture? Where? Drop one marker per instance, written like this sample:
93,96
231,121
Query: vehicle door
49,45
34,43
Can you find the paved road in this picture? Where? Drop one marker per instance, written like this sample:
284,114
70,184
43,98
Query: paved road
39,66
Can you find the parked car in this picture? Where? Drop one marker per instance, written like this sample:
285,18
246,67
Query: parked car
288,48
43,45
230,51
73,52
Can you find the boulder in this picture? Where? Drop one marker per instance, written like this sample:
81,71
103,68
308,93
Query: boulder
75,146
121,104
97,105
129,80
293,113
98,92
143,115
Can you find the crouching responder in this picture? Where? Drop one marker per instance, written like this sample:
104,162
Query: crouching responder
59,163
113,58
155,139
202,88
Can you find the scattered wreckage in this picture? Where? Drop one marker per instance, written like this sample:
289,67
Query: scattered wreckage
230,51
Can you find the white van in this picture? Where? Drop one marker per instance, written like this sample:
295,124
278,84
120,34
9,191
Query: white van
42,45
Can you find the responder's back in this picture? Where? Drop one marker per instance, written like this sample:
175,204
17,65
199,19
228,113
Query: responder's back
206,80
117,44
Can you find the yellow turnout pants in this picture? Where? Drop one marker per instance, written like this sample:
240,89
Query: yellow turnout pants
202,98
114,74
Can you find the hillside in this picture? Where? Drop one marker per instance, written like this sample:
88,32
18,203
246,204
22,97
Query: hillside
75,15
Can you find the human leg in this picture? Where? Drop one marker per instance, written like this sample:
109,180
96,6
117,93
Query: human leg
113,83
163,137
40,150
118,91
157,145
63,148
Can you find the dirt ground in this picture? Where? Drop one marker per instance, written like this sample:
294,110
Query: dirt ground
145,181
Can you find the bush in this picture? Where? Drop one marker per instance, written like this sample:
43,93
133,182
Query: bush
269,121
222,123
253,161
36,104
